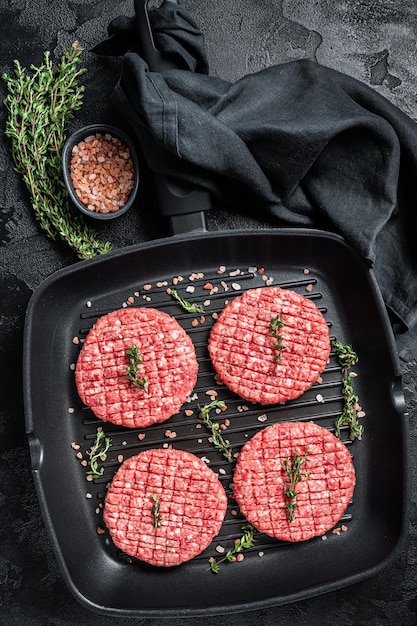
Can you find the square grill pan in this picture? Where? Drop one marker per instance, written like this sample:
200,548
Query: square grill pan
60,429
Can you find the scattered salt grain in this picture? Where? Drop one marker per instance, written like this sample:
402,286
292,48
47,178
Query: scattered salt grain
320,398
88,303
220,549
235,286
88,496
262,418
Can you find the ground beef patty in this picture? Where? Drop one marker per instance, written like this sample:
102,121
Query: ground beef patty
169,367
164,506
261,480
242,350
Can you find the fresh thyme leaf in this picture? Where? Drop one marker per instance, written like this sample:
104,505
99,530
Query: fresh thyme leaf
218,441
187,306
247,540
98,452
39,108
157,519
293,469
352,410
274,327
132,370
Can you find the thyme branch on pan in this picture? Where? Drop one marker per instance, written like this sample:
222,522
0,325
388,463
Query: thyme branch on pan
218,441
274,327
132,370
247,540
39,108
98,452
187,306
293,468
157,519
352,411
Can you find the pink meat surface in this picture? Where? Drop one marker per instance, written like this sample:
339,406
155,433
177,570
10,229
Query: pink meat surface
169,366
322,496
241,345
191,506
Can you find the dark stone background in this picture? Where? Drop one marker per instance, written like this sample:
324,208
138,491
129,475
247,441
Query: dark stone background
373,41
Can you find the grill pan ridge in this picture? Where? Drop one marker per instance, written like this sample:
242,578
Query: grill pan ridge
61,429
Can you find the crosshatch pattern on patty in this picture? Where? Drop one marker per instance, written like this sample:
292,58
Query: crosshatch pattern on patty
169,366
242,351
191,505
323,493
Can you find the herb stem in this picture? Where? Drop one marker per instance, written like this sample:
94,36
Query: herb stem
39,108
293,469
98,452
157,519
247,540
187,306
132,370
275,327
218,441
351,411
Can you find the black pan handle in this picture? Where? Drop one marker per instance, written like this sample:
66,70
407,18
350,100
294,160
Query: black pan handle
183,205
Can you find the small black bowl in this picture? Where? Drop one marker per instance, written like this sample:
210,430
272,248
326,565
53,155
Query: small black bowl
75,139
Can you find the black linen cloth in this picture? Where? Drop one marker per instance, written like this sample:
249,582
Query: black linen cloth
305,144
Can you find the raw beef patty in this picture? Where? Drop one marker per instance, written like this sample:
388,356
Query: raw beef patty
169,367
242,346
164,506
322,495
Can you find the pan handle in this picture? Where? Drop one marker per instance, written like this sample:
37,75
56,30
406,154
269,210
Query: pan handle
183,205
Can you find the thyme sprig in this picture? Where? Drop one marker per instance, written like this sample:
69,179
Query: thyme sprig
218,441
157,519
132,370
247,540
187,306
275,327
352,410
98,452
39,108
293,468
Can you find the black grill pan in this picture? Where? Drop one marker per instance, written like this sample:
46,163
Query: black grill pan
319,265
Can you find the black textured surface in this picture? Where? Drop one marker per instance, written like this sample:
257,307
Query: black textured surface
374,42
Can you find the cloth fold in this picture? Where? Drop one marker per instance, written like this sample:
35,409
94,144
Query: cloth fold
303,143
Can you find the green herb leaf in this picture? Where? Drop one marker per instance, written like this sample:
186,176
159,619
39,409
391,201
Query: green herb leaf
133,369
98,452
187,306
218,441
352,411
247,540
293,469
275,327
39,108
157,519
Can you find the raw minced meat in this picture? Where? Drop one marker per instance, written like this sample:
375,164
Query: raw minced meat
322,495
191,505
242,346
169,367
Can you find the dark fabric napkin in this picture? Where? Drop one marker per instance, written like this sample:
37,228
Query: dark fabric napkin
300,142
